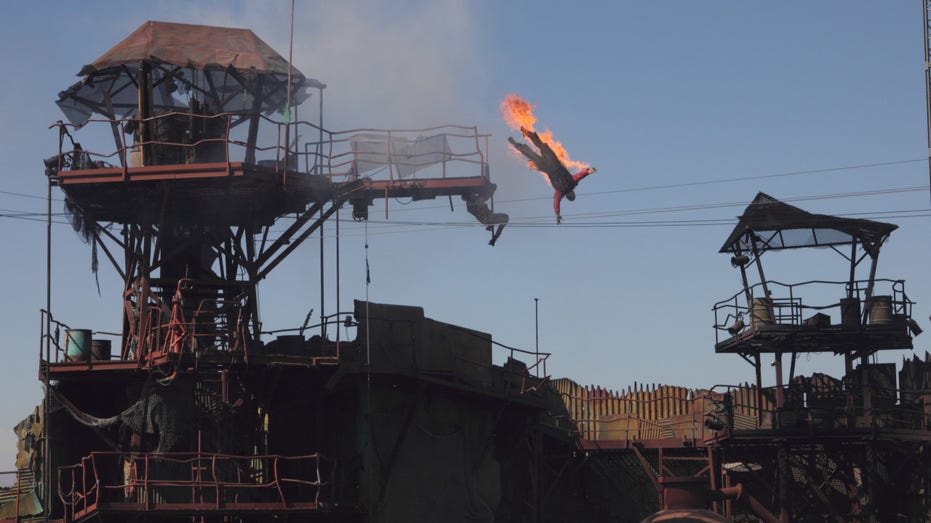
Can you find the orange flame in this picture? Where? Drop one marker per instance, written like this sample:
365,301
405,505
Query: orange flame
518,113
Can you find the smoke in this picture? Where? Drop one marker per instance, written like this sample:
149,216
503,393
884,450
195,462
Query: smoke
405,64
388,65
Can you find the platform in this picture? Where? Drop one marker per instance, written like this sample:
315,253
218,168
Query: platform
838,339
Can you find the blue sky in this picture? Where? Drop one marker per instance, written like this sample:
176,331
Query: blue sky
666,99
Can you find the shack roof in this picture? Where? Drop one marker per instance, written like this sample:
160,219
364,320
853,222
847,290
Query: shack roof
195,46
777,225
224,67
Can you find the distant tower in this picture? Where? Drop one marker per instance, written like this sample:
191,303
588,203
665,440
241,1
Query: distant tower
825,445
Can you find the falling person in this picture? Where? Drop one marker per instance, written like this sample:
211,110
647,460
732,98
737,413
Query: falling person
547,162
477,206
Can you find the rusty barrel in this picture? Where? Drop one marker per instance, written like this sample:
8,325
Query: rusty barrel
850,312
880,309
77,344
761,312
100,350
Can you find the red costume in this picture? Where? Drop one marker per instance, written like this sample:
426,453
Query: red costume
557,198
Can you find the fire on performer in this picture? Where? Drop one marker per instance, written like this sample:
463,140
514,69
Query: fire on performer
519,114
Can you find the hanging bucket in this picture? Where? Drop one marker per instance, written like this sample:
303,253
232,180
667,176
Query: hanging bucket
880,309
761,312
100,350
77,344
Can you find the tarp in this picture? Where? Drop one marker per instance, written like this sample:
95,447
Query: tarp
221,63
405,156
775,225
436,460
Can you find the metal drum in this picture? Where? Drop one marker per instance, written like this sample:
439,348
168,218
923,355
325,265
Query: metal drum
880,309
100,350
77,345
760,312
850,312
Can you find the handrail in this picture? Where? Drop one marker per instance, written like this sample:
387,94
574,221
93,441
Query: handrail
857,287
789,310
840,406
180,478
17,489
334,157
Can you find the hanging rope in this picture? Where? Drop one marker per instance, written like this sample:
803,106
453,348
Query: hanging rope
368,377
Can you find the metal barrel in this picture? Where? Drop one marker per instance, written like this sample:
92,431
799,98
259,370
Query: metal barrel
77,344
850,312
880,309
100,350
760,312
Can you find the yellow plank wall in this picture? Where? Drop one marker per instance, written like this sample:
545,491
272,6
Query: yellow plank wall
647,411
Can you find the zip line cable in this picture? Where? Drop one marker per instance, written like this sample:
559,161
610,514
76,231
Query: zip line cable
545,221
746,178
23,195
828,170
422,227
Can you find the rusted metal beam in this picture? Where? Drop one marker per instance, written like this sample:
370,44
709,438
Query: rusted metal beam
625,444
270,260
651,474
737,493
285,238
107,252
181,171
427,188
825,502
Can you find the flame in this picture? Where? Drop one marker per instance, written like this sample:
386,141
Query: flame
518,113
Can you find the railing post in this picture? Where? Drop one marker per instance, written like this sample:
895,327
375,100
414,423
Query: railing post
145,483
277,481
229,119
216,481
17,492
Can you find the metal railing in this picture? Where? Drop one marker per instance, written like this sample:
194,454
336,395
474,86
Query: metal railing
397,154
53,343
193,482
179,138
215,324
853,305
24,482
850,406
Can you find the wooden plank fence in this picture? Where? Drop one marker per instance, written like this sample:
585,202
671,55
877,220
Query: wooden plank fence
651,411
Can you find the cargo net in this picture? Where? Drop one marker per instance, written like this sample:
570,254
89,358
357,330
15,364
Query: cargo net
165,418
86,229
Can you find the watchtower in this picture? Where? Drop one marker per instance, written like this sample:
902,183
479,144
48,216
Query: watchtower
817,444
199,413
183,206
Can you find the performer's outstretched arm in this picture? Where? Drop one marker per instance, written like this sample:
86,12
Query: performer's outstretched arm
557,198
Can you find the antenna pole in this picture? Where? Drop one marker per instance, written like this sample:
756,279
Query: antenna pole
926,5
536,320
